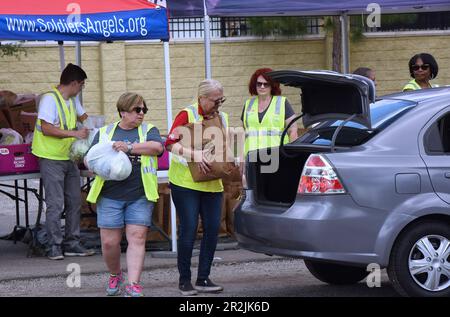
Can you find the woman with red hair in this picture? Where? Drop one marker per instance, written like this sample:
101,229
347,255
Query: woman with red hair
266,113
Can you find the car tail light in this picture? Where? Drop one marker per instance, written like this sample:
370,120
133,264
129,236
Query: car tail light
318,177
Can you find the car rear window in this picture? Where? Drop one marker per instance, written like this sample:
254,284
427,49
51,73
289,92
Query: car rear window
382,113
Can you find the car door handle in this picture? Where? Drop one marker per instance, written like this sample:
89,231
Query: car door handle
447,175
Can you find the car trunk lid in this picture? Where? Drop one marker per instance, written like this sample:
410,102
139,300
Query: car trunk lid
330,95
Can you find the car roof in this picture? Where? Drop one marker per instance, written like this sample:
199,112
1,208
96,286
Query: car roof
421,95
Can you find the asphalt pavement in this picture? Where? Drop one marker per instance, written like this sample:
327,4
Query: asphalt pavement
16,265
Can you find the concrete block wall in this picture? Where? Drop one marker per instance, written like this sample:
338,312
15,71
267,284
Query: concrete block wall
389,56
139,67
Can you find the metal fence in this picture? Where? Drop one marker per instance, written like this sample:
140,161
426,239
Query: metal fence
192,28
412,22
226,27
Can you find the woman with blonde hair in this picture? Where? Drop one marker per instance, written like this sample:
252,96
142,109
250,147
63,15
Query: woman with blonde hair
193,198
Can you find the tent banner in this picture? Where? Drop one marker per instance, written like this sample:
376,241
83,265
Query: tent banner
84,20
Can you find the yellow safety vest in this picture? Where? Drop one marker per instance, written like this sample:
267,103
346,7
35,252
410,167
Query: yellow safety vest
267,133
149,165
413,85
51,147
179,173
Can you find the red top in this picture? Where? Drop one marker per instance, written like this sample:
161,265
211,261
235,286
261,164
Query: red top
181,119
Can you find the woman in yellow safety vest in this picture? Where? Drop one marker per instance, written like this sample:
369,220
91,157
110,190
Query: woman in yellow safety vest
266,114
422,68
128,203
192,198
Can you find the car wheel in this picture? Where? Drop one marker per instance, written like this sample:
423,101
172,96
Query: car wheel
337,274
420,260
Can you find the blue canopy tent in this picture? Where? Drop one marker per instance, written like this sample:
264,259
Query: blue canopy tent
87,20
239,8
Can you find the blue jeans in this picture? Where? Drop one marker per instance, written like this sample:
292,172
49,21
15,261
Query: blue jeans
118,213
190,204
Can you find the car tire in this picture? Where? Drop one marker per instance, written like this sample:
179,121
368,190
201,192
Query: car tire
336,274
407,251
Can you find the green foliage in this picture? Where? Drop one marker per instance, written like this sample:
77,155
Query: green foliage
399,20
388,21
328,25
12,50
268,26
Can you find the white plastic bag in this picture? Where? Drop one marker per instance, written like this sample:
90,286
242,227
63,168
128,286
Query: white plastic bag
10,137
108,163
79,147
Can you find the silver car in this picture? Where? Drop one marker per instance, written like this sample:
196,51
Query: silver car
367,185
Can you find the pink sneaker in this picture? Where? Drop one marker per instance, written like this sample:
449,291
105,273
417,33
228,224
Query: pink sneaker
133,290
114,284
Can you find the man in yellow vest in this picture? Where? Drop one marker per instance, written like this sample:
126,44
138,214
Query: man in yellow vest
59,110
127,205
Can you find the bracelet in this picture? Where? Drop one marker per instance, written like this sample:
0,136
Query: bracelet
130,148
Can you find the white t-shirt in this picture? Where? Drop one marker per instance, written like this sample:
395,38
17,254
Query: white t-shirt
48,109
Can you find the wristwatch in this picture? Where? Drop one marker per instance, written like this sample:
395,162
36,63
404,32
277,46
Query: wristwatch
130,147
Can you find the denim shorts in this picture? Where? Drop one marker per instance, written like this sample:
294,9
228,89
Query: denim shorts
118,213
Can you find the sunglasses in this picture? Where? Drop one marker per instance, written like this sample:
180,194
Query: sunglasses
219,101
139,110
261,84
417,67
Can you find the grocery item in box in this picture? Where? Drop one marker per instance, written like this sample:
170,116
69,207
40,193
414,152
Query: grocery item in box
16,159
10,137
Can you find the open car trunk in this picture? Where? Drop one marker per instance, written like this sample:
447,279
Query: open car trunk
325,95
274,184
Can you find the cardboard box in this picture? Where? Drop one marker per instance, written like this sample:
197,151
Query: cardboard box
25,109
17,159
7,98
4,122
221,159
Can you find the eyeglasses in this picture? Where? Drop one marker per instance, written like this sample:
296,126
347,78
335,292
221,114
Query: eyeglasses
260,84
139,109
219,101
417,67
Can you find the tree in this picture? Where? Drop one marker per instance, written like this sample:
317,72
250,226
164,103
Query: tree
12,50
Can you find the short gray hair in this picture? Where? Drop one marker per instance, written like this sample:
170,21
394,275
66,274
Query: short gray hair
208,86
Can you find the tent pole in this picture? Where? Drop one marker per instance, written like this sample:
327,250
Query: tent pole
206,29
345,52
62,60
78,62
173,216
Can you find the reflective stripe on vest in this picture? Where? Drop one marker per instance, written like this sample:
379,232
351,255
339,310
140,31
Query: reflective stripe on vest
179,173
50,147
149,165
266,133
